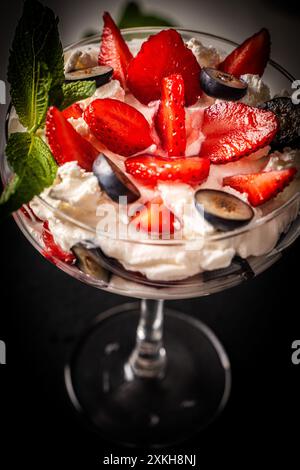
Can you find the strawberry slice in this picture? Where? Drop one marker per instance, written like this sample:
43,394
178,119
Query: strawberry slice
170,118
160,56
65,143
149,169
119,126
52,250
73,111
114,51
155,218
261,187
233,130
29,214
250,57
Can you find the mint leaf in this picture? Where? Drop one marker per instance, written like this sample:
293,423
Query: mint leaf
36,67
9,194
76,91
133,16
34,167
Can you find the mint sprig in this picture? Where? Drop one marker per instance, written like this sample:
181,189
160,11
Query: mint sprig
34,168
36,77
36,66
76,91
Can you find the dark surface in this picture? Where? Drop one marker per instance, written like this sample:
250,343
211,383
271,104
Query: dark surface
140,412
44,311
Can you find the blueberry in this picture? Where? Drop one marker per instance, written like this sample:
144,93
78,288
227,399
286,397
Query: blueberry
90,262
113,181
223,210
222,85
101,75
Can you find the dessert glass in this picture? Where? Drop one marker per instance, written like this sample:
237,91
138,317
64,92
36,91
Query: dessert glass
175,378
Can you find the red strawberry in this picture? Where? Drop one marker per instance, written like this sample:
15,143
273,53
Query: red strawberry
250,57
119,126
73,111
149,169
114,50
160,56
29,214
65,143
233,130
170,118
261,187
52,250
155,218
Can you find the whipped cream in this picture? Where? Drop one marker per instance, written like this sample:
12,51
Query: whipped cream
81,58
76,193
206,56
258,92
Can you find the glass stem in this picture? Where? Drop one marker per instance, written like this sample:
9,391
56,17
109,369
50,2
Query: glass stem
148,359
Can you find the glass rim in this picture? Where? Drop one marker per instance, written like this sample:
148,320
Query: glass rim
219,236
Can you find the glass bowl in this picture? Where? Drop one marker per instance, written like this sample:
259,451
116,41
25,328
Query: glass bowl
157,393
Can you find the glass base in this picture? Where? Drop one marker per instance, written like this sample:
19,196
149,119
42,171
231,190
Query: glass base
145,412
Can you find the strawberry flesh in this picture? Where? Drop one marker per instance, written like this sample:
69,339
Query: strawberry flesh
119,126
250,57
73,111
29,214
261,187
233,130
65,143
114,51
170,118
52,250
155,218
149,169
162,55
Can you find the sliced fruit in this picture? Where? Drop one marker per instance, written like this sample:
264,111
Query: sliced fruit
239,266
223,210
114,51
52,250
260,187
170,118
288,115
89,261
114,182
160,56
29,214
149,169
73,111
101,74
155,218
233,130
65,143
222,85
250,57
119,126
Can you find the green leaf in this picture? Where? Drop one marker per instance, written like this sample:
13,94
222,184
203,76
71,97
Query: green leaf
76,91
133,16
36,67
34,167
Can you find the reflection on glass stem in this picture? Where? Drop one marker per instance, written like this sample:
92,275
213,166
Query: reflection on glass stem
148,359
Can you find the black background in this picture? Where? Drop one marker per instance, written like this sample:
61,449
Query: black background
43,311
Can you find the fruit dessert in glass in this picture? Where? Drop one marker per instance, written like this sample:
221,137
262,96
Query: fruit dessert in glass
176,178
